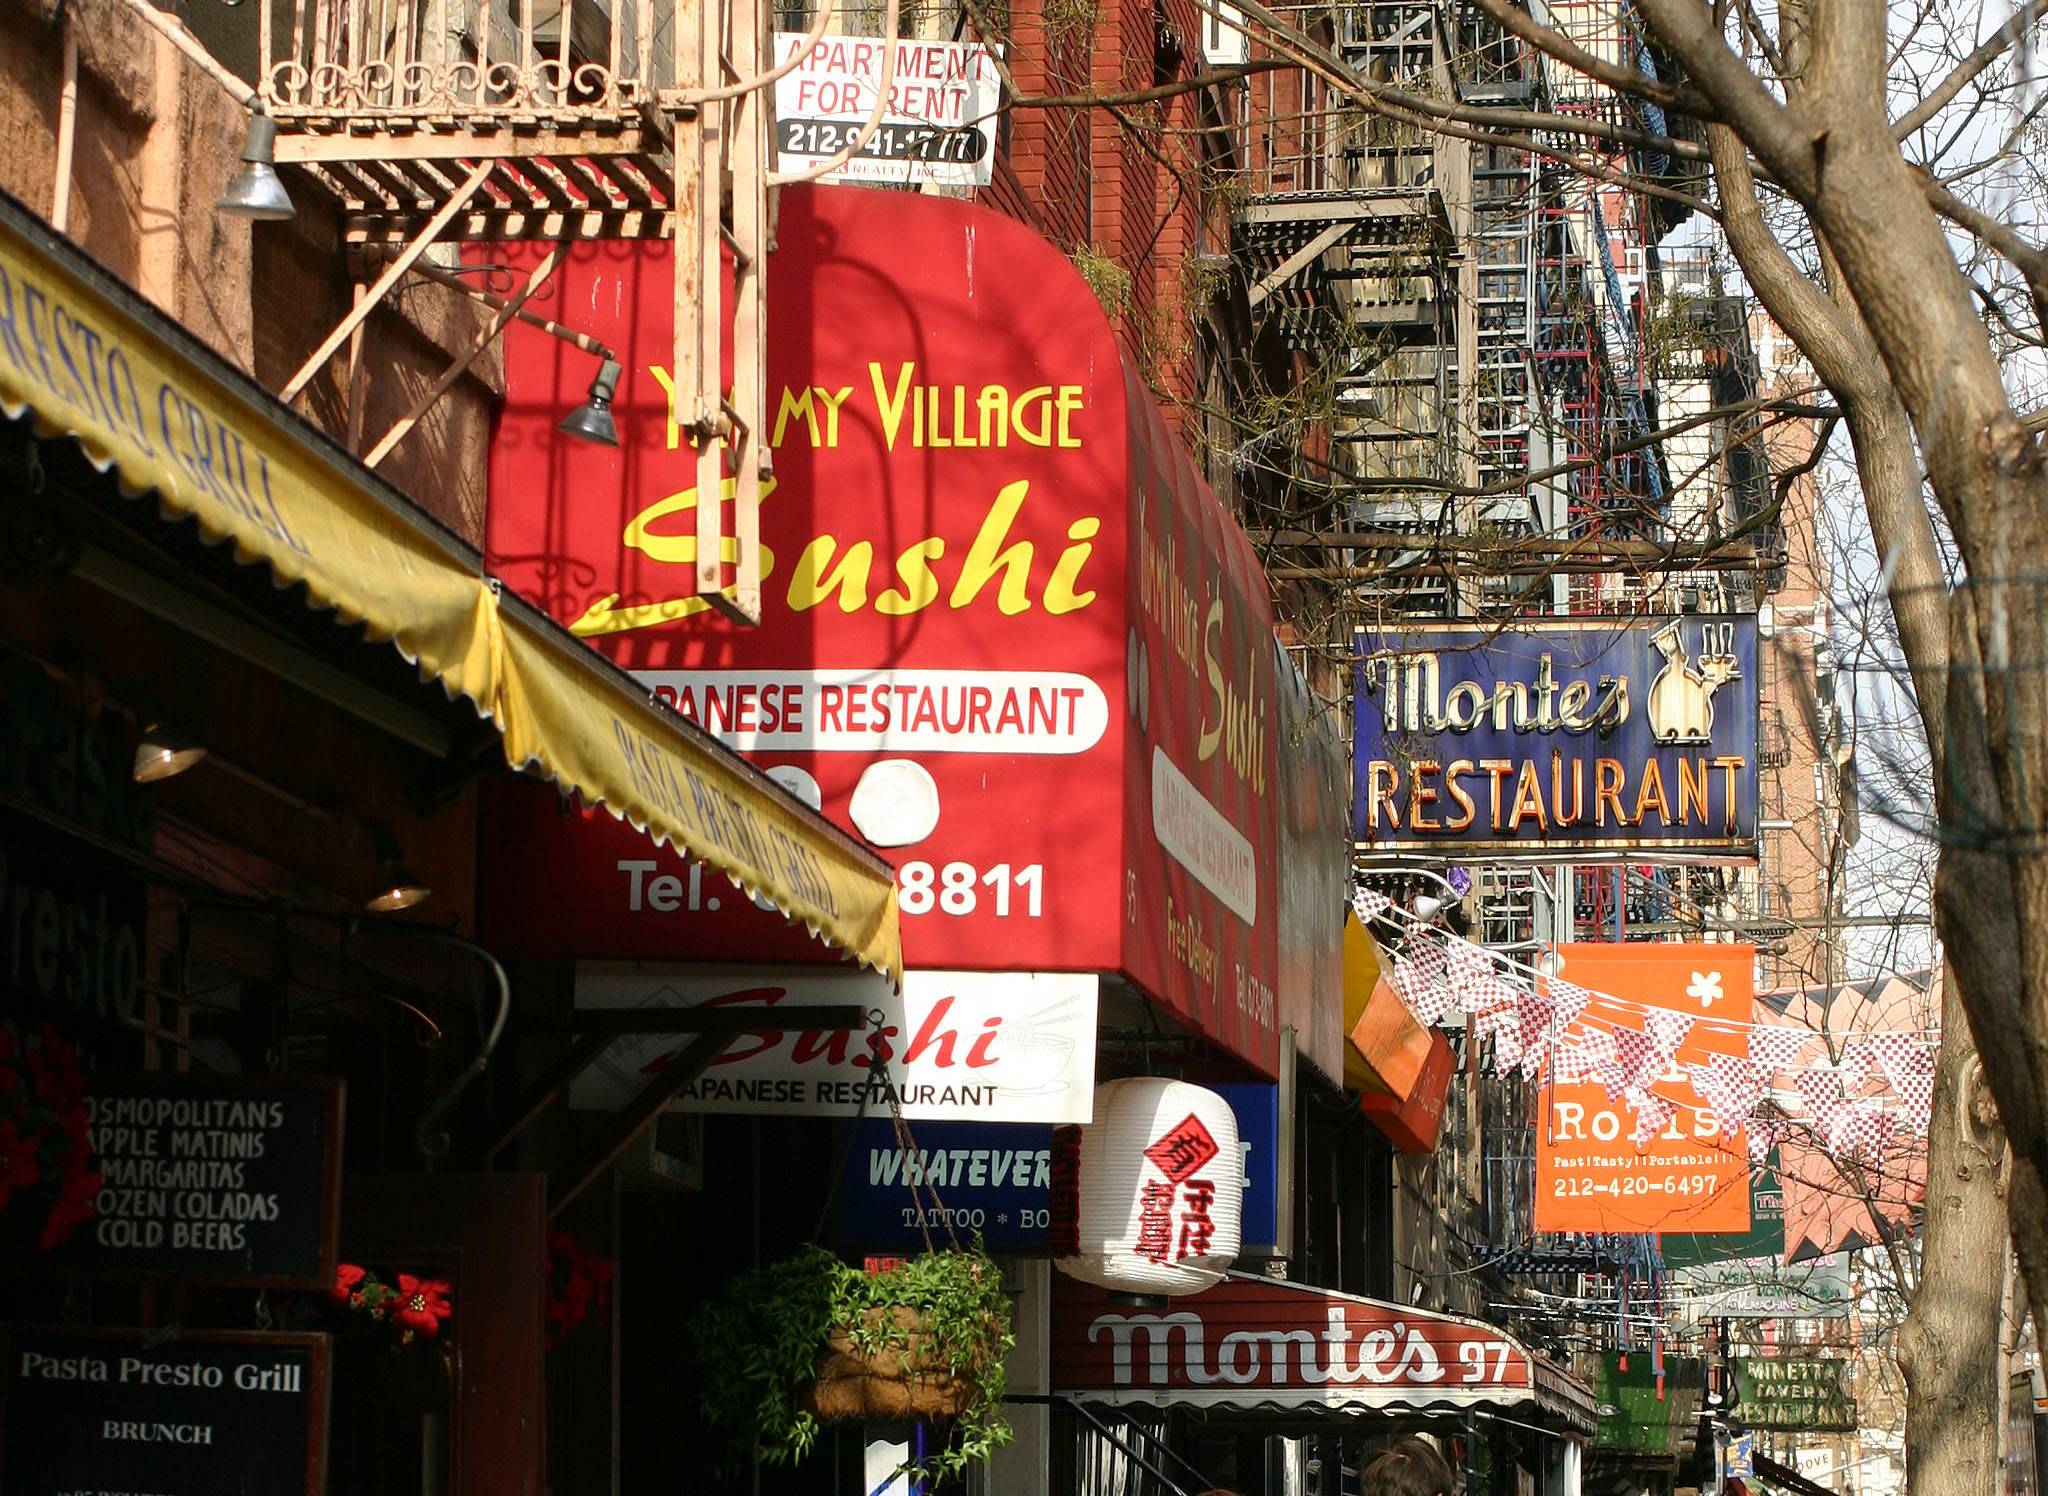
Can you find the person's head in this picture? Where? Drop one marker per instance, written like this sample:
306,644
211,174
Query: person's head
1412,1467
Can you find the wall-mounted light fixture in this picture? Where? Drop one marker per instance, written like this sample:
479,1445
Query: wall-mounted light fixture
164,752
592,420
256,191
398,886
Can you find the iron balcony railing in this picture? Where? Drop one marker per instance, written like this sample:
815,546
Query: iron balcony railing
466,64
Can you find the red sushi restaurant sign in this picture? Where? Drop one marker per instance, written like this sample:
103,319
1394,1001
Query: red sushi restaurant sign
1006,633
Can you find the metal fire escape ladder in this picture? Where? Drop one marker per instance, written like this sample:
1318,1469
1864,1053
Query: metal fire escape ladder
437,122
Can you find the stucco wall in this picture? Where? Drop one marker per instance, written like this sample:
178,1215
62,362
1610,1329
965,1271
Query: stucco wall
158,138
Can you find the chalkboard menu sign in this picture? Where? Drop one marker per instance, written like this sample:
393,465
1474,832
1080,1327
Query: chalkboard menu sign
212,1178
201,1414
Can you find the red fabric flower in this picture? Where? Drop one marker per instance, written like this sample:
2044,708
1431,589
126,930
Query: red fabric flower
346,1277
20,1166
79,1201
579,1284
422,1304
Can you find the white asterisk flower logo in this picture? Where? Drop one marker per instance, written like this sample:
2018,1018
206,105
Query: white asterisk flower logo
1705,988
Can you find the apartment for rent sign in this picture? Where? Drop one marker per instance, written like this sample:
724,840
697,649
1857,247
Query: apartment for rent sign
938,116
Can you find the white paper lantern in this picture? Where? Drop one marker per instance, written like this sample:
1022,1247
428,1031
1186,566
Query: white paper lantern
1154,1192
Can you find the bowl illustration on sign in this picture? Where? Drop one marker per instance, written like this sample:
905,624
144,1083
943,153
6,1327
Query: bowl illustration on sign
896,803
799,783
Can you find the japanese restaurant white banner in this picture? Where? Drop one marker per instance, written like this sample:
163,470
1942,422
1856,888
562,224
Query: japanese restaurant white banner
958,1046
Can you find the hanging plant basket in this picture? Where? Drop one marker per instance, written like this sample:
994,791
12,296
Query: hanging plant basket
811,1341
889,1369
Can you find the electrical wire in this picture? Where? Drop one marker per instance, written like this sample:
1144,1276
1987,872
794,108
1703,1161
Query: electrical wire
890,43
775,74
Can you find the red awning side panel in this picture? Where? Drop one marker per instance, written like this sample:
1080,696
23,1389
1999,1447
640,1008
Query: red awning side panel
1250,1344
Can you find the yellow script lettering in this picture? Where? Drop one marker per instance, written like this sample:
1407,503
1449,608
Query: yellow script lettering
988,555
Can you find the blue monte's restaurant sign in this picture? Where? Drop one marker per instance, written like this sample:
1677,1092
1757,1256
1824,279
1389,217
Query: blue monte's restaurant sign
1587,736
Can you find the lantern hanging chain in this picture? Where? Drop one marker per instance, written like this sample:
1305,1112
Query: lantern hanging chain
876,1018
908,1144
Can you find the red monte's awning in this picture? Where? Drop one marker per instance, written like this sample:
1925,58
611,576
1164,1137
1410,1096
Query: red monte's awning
1255,1345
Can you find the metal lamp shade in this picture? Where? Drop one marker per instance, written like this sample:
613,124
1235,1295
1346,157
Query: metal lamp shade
592,420
256,192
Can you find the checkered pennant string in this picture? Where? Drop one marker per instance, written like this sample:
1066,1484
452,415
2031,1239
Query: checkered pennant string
1763,1137
1728,1084
1370,904
1854,1063
1775,1048
1636,1064
1496,1021
1506,1028
1653,1115
1899,1056
1418,979
1834,1115
1572,1059
1571,1000
1871,1130
1475,987
1667,1030
1589,1055
1537,1029
1916,1100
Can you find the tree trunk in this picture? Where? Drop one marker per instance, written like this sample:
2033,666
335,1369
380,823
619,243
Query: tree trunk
1832,148
1950,1344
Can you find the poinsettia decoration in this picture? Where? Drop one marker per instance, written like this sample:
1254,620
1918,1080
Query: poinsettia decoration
412,1307
45,1139
579,1285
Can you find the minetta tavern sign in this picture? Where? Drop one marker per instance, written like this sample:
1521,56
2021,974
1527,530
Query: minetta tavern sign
1587,737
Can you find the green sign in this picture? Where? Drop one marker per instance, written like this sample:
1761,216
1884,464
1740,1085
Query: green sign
1803,1396
1765,1288
1645,1421
1764,1238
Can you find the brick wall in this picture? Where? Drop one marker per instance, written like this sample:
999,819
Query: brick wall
1122,185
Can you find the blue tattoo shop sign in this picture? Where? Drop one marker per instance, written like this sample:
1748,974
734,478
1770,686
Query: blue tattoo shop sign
996,1178
1590,738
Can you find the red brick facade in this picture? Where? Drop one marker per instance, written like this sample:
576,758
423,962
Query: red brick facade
1122,188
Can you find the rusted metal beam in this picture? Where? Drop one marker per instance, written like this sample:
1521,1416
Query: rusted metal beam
393,273
695,1058
455,282
597,1029
500,320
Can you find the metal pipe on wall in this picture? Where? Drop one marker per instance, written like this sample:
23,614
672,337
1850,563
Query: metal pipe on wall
67,131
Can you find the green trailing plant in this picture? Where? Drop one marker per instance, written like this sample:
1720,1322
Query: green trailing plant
1070,21
940,1321
1110,282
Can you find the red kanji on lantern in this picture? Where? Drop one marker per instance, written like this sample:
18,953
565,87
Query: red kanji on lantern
1195,1226
1183,1150
1155,1221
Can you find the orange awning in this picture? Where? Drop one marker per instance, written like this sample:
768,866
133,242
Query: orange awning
1402,1067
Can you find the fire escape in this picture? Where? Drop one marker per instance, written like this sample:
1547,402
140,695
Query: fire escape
437,123
1348,240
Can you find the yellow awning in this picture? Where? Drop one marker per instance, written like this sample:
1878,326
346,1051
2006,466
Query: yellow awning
92,362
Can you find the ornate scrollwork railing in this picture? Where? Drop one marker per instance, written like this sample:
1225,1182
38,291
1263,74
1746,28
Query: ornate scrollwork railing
467,63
